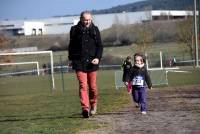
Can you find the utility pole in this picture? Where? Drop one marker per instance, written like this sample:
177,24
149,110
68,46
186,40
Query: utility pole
195,34
199,17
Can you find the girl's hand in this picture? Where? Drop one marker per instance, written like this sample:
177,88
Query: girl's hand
126,83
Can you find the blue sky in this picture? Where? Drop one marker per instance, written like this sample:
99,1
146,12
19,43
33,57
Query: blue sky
20,9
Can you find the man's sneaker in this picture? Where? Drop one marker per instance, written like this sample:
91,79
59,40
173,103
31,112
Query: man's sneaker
93,110
144,112
85,114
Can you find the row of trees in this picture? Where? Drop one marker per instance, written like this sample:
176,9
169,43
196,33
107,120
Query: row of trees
152,4
144,34
155,31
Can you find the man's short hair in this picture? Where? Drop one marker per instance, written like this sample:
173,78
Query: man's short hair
84,12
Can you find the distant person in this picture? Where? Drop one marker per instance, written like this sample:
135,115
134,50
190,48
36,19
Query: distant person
48,68
126,67
85,52
44,67
139,77
170,62
174,61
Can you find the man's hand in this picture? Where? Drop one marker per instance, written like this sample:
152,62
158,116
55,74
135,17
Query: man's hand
95,61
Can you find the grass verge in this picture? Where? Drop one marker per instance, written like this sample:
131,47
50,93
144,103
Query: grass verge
28,106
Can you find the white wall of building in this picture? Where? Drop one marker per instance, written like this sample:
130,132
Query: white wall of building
104,21
33,28
62,25
171,13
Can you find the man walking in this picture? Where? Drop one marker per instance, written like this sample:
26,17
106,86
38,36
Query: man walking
85,51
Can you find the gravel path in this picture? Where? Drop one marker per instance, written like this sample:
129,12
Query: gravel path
170,111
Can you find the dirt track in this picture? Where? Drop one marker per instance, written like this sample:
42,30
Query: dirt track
170,111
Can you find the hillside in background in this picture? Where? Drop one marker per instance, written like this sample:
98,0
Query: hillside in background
149,5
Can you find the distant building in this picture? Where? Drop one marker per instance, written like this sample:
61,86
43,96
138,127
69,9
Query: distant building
169,14
62,25
33,28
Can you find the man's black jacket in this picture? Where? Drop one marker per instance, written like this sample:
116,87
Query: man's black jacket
85,45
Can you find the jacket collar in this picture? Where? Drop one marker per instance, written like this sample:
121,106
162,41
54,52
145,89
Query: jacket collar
80,26
139,65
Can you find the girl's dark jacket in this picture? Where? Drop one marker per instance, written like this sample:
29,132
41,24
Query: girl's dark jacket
126,66
136,71
85,45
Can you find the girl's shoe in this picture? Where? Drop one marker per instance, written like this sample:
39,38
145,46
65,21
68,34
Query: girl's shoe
137,105
144,112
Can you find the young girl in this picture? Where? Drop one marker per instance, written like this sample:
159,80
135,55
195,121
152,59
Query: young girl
126,66
139,77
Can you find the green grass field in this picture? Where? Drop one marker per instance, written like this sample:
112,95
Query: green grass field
169,49
28,105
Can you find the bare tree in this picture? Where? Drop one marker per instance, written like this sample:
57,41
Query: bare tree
116,28
3,39
185,34
144,36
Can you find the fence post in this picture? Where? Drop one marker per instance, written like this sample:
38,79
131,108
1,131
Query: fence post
62,75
